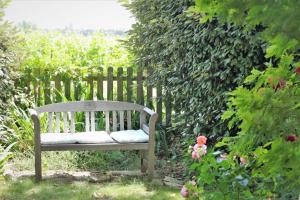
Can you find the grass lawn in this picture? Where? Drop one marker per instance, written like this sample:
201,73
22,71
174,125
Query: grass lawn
130,189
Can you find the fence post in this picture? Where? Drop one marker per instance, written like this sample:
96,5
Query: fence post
110,81
47,95
159,103
149,89
168,104
140,92
120,84
67,85
100,84
129,84
58,89
90,83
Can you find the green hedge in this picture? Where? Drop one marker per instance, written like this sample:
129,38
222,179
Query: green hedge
197,63
8,61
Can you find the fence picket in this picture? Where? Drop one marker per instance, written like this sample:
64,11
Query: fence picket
47,96
100,84
120,84
140,92
91,87
110,82
129,84
58,89
67,85
159,103
149,90
168,105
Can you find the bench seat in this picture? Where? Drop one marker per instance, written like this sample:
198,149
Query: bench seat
97,137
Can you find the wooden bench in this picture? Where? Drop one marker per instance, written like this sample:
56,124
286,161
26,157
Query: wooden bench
113,138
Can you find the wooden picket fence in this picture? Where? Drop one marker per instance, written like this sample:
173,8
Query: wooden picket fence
124,86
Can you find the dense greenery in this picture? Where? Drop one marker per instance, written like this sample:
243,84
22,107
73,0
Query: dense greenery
8,61
69,54
8,64
197,63
263,158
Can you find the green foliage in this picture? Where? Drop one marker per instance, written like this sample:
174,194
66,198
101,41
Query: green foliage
8,61
280,19
267,113
17,128
5,154
196,63
69,54
103,161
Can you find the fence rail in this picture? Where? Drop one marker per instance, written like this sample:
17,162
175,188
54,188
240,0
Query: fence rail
124,86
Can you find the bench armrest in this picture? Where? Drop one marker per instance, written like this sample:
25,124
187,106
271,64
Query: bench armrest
153,117
150,129
37,127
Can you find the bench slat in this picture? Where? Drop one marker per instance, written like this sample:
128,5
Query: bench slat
50,121
114,121
93,121
57,116
142,119
128,119
107,121
146,128
65,118
106,146
72,122
121,113
87,121
84,106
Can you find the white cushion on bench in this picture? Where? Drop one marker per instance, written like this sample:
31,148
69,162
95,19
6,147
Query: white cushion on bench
130,136
93,138
73,138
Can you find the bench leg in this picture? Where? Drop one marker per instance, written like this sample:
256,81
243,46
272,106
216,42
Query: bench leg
143,161
151,162
38,164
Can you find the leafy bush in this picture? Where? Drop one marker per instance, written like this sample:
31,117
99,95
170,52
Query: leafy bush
263,158
197,63
5,154
8,61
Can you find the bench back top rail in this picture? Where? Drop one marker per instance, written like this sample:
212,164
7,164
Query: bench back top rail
88,106
65,112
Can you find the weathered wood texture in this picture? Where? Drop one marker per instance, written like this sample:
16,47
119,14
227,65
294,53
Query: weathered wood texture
123,84
66,110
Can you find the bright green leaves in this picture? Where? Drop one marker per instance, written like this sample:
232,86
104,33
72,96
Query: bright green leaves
280,45
71,54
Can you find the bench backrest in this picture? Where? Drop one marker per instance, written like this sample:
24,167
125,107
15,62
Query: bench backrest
68,110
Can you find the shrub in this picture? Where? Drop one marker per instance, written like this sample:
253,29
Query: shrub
264,155
8,62
197,64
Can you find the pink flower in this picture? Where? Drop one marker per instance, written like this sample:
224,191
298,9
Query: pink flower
184,192
194,155
201,140
297,70
196,147
243,161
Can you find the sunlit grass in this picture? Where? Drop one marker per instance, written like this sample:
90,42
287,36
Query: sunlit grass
122,190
